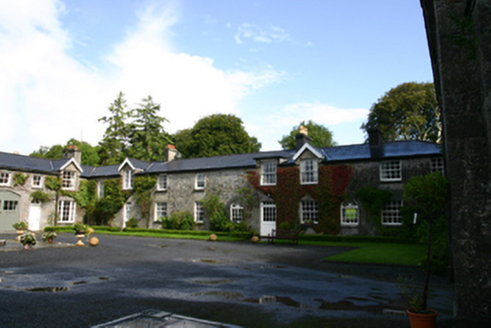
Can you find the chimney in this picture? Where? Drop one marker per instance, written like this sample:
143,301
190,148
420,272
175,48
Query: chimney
72,151
170,153
375,141
302,137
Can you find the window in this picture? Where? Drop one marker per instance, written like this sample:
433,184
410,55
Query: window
10,205
68,180
391,214
390,171
160,210
236,213
127,211
349,214
268,211
37,181
200,181
4,178
308,171
268,173
100,189
162,182
199,213
309,212
437,165
66,211
127,180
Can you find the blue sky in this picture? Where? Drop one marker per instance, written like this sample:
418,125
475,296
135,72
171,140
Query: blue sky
273,63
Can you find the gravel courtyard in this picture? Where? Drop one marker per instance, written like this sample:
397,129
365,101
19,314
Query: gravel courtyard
250,285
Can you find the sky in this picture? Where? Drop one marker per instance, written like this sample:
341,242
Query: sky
272,63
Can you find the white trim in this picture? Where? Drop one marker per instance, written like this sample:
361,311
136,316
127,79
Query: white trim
162,176
156,217
263,173
342,213
240,210
127,181
202,210
309,147
74,162
196,187
9,179
126,161
72,210
389,170
312,208
315,171
41,180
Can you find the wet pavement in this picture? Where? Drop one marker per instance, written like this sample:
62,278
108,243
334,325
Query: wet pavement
233,283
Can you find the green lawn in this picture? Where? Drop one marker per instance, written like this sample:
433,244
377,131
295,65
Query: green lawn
382,253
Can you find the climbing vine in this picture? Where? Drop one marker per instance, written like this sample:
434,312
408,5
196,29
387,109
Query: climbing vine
288,192
373,201
20,179
143,187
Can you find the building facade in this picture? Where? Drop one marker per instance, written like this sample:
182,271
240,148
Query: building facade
309,187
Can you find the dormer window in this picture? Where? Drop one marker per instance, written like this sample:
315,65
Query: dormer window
268,173
309,171
127,179
200,182
68,180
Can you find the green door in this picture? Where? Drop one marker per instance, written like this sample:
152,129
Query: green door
9,210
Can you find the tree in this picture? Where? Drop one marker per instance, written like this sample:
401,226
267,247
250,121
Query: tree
408,111
148,140
320,135
115,143
218,134
89,153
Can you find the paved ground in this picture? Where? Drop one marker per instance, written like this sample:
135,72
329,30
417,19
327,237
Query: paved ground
244,284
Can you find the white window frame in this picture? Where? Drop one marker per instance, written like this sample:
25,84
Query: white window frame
159,210
5,178
236,213
162,182
100,189
391,213
391,170
268,211
66,211
200,181
437,165
268,173
37,181
309,174
199,212
309,211
68,180
127,180
347,220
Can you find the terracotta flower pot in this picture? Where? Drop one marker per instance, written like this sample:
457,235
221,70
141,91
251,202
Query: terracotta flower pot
418,320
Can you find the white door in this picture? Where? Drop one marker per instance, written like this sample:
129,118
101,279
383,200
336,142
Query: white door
35,216
268,217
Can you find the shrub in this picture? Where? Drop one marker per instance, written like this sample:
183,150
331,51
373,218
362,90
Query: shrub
178,221
132,223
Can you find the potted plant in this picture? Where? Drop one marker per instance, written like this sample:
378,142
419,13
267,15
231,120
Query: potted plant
19,227
80,230
427,196
27,239
49,236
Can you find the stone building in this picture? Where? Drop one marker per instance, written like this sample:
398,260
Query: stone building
291,186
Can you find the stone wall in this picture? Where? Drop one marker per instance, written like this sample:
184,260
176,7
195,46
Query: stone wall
459,37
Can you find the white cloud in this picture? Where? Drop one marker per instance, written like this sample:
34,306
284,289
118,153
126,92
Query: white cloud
260,35
49,97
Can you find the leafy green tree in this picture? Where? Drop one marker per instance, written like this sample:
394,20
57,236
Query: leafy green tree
218,134
89,153
406,112
148,139
115,143
320,135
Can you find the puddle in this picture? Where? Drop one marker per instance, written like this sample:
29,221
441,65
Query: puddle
273,266
79,283
345,305
277,299
226,295
47,289
213,282
103,278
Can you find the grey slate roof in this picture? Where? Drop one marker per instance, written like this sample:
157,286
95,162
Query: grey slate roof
397,149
